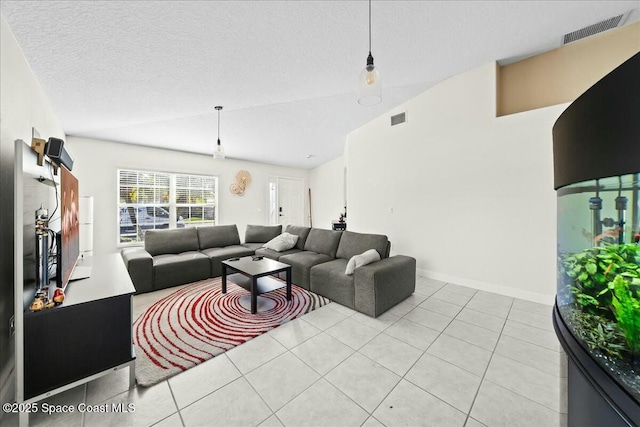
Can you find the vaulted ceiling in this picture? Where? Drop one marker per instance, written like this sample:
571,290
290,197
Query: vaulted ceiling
151,72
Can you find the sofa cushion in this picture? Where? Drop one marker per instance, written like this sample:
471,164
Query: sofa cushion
217,255
301,232
283,242
270,253
158,242
301,263
176,269
218,236
323,242
364,258
261,233
352,244
253,246
328,279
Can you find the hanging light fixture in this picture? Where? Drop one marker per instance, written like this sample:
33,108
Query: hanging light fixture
369,87
218,152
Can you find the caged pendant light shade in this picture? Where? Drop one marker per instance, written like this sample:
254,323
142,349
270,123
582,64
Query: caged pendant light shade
218,151
369,85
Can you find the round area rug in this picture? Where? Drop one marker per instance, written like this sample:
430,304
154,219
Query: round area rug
198,322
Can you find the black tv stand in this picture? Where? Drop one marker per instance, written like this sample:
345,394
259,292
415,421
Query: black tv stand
85,337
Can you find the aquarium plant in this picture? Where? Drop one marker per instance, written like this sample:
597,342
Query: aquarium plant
627,312
605,284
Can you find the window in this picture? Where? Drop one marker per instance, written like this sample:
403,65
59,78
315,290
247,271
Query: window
157,200
196,199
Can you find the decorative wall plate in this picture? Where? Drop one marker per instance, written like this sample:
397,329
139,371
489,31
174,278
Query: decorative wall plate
243,179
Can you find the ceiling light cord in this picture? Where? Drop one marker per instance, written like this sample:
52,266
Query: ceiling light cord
369,27
218,152
370,65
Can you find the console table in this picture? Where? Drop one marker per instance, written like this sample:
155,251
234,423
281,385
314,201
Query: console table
87,336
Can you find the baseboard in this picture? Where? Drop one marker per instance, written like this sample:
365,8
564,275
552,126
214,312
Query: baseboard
489,287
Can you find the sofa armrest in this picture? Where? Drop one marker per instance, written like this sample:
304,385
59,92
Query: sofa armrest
139,264
383,284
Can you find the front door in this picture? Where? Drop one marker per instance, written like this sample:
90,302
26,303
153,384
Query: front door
287,201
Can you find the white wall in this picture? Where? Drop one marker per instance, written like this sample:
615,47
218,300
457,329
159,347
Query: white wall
97,162
23,105
470,196
327,192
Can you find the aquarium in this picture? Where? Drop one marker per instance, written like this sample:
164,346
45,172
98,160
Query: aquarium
596,168
598,294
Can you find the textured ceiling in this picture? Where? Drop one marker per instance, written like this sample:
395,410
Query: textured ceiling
150,72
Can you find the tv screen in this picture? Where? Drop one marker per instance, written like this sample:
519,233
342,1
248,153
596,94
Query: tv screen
69,241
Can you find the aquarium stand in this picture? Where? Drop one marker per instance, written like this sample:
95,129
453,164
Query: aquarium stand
595,399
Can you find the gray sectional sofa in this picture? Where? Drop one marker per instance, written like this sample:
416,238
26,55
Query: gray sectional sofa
318,262
184,255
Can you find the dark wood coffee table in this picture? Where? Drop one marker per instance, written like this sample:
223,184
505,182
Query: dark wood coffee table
254,276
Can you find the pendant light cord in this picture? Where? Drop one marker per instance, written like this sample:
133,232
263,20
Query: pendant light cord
369,27
219,153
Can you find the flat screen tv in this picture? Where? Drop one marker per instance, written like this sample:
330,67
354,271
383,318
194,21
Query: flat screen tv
69,236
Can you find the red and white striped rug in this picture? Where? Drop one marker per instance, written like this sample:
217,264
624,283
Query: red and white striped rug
198,322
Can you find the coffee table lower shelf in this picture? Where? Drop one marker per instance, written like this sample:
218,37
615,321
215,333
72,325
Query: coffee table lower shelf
264,284
256,273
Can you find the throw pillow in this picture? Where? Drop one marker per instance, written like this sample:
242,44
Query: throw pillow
364,258
283,242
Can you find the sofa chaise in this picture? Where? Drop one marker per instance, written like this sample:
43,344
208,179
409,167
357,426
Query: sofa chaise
319,260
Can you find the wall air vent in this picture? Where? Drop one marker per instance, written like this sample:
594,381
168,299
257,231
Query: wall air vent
398,118
601,26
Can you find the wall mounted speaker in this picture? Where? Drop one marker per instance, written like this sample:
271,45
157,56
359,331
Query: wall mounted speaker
56,152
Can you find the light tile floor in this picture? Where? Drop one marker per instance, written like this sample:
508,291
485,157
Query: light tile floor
446,356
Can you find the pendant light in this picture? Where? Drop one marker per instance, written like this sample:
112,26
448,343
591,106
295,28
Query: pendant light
369,87
218,152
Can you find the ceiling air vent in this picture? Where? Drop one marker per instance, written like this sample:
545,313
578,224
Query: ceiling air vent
398,118
601,26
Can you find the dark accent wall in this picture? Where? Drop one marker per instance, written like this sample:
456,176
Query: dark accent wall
7,342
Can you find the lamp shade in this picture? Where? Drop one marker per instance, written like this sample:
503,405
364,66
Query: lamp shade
369,87
218,151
